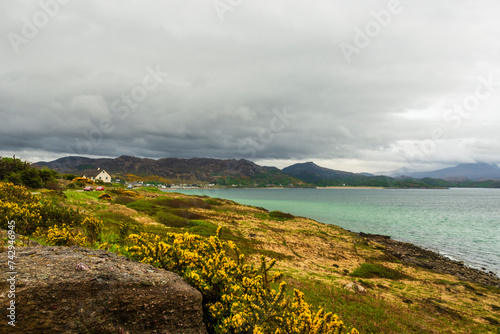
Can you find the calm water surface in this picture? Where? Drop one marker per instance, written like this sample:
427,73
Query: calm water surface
463,224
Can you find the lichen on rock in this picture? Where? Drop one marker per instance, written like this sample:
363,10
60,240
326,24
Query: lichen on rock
79,290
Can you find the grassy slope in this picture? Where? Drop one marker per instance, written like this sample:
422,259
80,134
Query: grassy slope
317,258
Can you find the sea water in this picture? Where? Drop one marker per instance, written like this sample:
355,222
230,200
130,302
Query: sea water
462,224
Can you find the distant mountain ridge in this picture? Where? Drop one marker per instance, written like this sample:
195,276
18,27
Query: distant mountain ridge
473,171
246,173
194,169
310,172
478,175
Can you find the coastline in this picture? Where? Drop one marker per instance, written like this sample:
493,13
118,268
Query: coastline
468,257
412,254
323,260
349,187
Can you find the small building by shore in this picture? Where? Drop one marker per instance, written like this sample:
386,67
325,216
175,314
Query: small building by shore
97,174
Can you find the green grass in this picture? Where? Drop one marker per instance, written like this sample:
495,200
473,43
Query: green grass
278,215
144,206
367,312
371,314
371,270
115,217
213,201
82,195
151,190
181,203
124,200
169,219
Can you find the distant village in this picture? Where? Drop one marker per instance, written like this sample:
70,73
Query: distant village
100,175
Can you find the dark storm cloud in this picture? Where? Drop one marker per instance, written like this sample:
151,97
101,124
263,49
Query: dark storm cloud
271,82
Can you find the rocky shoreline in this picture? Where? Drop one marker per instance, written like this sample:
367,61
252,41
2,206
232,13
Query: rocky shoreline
424,258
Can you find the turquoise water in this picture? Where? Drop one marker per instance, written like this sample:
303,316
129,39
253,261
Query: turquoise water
463,224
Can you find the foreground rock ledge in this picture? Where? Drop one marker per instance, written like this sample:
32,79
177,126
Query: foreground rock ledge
79,290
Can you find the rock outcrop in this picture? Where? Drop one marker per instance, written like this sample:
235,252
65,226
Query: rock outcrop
79,290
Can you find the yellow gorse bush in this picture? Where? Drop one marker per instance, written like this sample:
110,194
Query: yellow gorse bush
17,203
83,180
122,192
61,236
131,193
93,227
13,193
29,213
105,197
22,213
237,297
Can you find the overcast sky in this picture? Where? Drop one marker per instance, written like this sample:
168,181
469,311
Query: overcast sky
351,85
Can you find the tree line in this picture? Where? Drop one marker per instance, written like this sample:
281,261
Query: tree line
23,173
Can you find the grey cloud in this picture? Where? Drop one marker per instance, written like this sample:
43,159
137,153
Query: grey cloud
66,91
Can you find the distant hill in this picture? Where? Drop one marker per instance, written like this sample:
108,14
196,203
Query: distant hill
240,172
310,172
473,171
321,176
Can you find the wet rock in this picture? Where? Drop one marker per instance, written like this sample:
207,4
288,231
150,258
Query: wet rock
412,254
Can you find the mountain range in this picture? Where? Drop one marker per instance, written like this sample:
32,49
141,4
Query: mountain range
241,172
472,171
247,173
312,173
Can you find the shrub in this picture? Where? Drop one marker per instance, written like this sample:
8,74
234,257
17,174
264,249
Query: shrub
171,220
124,229
17,204
212,201
178,203
56,214
93,227
115,217
186,214
371,270
31,178
128,193
280,215
23,173
61,236
124,200
26,215
203,228
237,298
83,180
56,193
53,186
105,197
143,206
69,177
13,193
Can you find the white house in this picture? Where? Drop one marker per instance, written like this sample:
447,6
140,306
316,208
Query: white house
97,174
